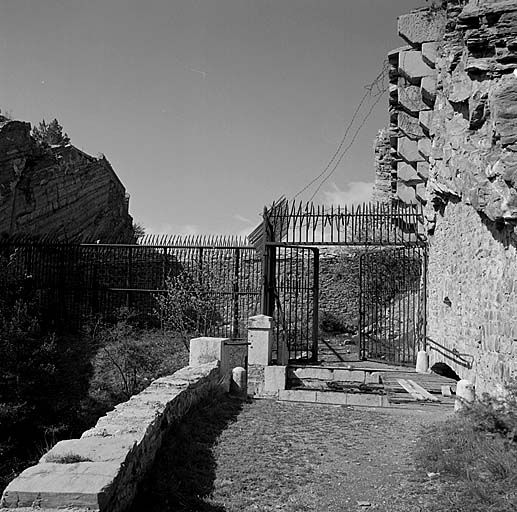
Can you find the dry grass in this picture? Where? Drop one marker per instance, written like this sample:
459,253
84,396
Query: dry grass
477,464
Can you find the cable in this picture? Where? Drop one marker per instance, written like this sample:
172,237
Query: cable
369,88
363,122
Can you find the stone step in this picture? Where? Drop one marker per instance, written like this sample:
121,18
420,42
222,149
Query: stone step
317,376
334,398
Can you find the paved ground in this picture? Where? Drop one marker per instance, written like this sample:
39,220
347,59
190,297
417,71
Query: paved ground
269,455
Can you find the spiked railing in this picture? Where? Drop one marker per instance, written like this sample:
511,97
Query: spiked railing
193,241
365,224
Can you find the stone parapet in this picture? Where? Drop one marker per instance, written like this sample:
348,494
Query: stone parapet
101,470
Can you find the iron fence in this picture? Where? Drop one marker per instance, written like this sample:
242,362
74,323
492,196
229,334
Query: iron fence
75,282
392,304
365,224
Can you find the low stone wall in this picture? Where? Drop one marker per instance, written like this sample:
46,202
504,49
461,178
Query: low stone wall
101,470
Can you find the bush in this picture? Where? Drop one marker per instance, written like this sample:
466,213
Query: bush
331,323
128,359
189,306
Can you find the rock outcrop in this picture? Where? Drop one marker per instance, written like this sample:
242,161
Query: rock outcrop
58,191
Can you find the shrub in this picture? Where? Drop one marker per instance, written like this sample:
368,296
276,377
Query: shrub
189,306
128,359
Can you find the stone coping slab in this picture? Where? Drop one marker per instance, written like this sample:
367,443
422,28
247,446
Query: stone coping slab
101,470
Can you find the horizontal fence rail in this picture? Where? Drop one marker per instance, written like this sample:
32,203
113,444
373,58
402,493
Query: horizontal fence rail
75,282
366,224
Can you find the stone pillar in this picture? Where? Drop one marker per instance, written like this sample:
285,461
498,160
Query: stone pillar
206,349
260,338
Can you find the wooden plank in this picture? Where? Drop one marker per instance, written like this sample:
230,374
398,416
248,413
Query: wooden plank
409,388
422,391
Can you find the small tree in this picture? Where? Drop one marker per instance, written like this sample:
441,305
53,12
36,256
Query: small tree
50,134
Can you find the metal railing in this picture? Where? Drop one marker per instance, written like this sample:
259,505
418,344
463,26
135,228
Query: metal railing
73,282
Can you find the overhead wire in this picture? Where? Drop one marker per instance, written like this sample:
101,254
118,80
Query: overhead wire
363,122
380,88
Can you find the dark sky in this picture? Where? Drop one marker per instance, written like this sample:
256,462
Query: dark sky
207,109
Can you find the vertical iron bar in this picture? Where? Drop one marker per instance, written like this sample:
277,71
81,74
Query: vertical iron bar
315,303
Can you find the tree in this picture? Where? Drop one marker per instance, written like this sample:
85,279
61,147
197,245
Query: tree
50,134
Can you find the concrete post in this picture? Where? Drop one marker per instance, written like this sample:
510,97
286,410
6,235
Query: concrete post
260,338
206,349
465,393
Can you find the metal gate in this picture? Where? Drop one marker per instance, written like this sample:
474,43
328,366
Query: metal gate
392,309
291,289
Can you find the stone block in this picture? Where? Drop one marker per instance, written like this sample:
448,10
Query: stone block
205,350
349,375
460,87
430,53
504,108
410,99
422,168
409,125
412,65
421,192
422,26
331,398
372,378
274,378
366,400
256,379
424,147
96,449
406,193
393,55
428,88
313,373
407,173
408,150
297,395
85,485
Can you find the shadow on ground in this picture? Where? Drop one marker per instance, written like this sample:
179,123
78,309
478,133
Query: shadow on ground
183,474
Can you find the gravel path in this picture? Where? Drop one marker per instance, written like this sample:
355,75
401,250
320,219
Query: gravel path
270,456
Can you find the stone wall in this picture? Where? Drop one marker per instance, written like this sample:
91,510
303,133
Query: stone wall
339,289
59,190
464,149
116,453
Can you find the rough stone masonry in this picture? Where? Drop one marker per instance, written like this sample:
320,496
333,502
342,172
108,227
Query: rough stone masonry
453,148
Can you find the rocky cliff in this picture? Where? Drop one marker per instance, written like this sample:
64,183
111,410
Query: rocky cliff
59,191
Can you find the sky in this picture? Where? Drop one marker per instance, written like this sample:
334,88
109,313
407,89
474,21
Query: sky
208,110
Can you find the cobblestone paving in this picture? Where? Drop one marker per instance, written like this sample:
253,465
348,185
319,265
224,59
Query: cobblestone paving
301,457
